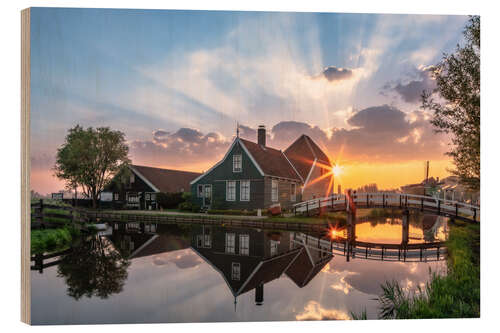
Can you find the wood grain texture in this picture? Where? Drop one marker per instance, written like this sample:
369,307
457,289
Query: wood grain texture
25,168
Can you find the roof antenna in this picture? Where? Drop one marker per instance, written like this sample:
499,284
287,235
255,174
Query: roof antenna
237,129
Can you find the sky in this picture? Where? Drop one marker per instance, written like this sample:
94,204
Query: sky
177,83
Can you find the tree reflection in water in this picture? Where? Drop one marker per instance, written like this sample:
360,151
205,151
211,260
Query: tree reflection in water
94,268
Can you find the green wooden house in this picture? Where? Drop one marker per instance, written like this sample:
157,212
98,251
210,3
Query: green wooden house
252,176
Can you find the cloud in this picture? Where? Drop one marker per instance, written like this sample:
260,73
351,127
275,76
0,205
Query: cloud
333,73
411,91
314,311
377,134
178,149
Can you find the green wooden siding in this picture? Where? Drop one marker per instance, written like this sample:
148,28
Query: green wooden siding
223,172
260,186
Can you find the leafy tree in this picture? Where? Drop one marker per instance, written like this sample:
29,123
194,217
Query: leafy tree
90,158
456,104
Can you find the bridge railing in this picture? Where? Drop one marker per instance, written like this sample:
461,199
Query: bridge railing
338,202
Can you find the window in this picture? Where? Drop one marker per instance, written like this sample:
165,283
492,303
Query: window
148,196
200,191
245,190
132,178
236,163
244,245
274,190
235,271
230,243
230,190
274,247
153,196
116,196
207,241
199,240
293,192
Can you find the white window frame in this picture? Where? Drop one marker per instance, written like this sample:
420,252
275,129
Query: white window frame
200,193
273,246
293,192
230,248
235,274
228,198
274,196
244,197
244,245
235,169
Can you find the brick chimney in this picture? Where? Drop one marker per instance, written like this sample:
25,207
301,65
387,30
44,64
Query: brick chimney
261,135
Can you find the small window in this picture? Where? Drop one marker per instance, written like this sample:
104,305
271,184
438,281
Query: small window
199,241
207,239
230,243
236,163
235,271
244,245
245,190
153,196
231,190
274,247
200,191
116,196
274,190
148,196
293,192
132,178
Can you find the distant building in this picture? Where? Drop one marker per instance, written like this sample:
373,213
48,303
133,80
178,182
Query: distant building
253,175
139,188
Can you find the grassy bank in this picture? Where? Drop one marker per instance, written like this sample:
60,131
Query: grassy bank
51,240
456,295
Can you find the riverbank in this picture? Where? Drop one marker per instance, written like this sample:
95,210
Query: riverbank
52,240
456,295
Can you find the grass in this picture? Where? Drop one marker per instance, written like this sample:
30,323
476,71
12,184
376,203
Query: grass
456,295
51,240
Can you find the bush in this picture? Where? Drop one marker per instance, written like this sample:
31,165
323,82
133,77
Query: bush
188,206
169,200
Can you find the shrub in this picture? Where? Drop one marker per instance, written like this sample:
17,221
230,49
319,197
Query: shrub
235,212
169,200
188,206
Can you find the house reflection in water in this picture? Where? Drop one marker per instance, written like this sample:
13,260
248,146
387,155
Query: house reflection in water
135,240
249,258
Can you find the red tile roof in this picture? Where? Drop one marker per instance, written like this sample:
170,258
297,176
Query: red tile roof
167,180
302,154
272,161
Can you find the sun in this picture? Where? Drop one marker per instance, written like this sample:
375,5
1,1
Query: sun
337,170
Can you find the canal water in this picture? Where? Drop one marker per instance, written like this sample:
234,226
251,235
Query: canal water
147,273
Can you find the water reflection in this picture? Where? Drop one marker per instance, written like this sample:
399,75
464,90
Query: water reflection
139,273
93,267
249,258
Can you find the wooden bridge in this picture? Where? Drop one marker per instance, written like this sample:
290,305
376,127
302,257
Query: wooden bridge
339,202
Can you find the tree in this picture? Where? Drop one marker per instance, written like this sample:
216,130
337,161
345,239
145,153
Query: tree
456,104
89,158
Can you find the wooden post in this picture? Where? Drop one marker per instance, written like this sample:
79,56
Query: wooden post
475,213
400,201
41,210
307,208
406,200
422,204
